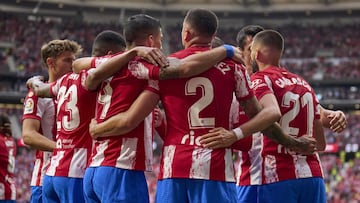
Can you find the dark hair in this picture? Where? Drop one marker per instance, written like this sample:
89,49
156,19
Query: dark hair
270,38
106,41
5,124
250,30
140,26
216,42
203,21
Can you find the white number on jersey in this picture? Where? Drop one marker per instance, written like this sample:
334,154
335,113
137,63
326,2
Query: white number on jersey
207,96
105,99
68,98
305,100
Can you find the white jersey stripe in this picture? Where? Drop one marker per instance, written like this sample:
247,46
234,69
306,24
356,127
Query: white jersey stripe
148,132
270,169
127,156
78,163
201,161
229,166
169,152
55,161
99,156
35,172
302,168
256,159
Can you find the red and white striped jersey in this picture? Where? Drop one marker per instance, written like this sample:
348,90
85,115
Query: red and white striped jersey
75,109
43,110
7,163
132,150
193,106
249,151
299,108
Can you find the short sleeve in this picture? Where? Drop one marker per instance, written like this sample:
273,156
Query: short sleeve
243,89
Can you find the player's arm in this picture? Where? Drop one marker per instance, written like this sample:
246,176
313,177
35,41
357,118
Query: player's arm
262,120
197,63
82,64
159,122
114,64
32,137
319,135
126,121
40,88
334,120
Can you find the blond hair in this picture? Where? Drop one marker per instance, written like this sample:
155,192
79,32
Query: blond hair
56,47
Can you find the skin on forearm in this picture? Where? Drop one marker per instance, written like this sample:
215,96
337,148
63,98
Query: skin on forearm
319,135
276,134
108,68
265,119
82,64
260,119
33,138
43,91
114,126
125,122
192,65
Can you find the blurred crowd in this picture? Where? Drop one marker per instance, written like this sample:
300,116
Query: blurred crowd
310,51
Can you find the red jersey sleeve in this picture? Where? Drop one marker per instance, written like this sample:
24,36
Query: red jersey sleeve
243,89
261,85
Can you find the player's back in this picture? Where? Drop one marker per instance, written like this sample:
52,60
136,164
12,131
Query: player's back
75,108
193,106
133,149
299,108
7,161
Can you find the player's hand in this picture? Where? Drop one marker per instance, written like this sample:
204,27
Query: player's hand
305,145
152,55
238,56
92,128
338,121
218,138
158,117
31,82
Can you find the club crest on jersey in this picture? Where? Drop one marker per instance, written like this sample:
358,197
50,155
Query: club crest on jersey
29,106
138,70
31,94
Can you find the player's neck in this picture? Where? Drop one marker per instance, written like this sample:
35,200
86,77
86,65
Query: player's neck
51,78
263,66
198,41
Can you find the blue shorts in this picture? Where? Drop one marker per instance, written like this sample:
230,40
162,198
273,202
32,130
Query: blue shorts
176,190
247,194
7,201
36,194
62,189
294,191
110,184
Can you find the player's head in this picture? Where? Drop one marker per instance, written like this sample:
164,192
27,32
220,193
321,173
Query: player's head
199,27
58,56
216,42
108,42
143,30
267,48
244,39
5,124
